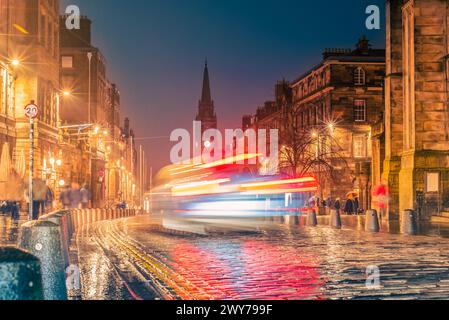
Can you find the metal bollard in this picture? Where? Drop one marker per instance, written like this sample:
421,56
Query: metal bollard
84,218
335,221
20,275
293,220
103,213
43,239
409,222
372,221
312,220
61,221
70,226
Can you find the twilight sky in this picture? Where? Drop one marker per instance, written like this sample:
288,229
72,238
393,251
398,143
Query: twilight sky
156,50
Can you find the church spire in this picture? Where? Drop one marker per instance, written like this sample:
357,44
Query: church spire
206,97
206,110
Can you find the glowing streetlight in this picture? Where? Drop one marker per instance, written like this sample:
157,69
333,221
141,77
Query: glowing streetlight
52,161
61,183
207,144
59,162
15,62
66,93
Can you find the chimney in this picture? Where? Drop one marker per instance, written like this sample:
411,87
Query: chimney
363,46
76,38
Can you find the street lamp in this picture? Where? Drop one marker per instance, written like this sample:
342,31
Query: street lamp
15,62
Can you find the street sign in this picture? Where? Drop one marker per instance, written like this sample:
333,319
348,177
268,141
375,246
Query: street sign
31,111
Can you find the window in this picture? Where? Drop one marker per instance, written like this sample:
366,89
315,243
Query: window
359,77
67,62
360,110
360,146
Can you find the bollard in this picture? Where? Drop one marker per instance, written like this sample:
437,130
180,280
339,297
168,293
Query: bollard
74,219
67,217
61,221
20,275
409,222
70,227
335,221
84,217
312,220
372,221
103,214
43,239
79,219
293,220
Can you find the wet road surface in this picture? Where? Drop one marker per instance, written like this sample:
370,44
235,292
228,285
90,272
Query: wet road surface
133,259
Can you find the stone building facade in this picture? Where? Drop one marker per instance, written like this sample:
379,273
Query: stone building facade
94,107
30,37
416,166
344,93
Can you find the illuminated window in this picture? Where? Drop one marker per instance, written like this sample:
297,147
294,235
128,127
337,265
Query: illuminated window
360,146
360,110
67,62
359,77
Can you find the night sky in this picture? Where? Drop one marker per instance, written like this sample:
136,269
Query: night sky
156,51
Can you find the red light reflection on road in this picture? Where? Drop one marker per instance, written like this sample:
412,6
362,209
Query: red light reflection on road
247,270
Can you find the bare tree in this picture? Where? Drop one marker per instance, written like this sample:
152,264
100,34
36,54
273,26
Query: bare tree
313,151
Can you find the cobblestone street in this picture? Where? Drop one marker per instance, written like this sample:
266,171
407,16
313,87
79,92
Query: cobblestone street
133,259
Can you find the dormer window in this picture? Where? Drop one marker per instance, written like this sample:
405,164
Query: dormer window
359,77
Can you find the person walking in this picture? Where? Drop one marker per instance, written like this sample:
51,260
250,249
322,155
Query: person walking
64,198
85,197
40,191
349,207
337,204
75,196
50,197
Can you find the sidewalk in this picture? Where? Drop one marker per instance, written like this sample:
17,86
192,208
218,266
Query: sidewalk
435,228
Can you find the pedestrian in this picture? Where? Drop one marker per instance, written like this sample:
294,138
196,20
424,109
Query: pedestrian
50,197
75,196
356,205
349,206
337,204
40,190
64,198
85,197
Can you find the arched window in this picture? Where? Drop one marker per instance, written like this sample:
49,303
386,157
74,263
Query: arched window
359,77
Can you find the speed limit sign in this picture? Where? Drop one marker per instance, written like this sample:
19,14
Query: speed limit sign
31,111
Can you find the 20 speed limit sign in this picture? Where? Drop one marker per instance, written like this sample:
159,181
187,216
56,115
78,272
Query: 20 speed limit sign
31,111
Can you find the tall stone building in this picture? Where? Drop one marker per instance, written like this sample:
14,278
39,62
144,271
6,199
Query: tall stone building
206,109
416,166
7,77
29,37
94,108
345,92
